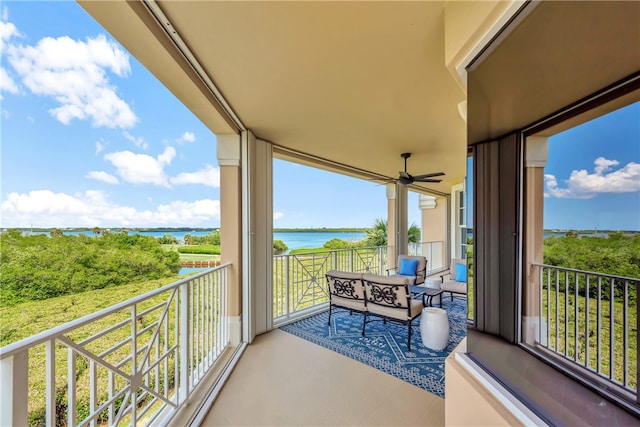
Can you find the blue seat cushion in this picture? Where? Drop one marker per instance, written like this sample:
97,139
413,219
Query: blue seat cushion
408,267
461,273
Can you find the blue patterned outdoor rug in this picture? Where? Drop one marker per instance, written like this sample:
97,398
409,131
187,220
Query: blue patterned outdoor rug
385,346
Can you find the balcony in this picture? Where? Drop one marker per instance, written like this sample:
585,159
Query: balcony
179,338
137,362
298,280
155,357
285,380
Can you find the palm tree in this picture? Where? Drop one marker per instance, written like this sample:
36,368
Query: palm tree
377,236
96,231
414,233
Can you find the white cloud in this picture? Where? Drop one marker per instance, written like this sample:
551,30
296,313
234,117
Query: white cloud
74,73
6,82
142,168
209,176
99,147
583,185
277,215
7,30
187,137
102,176
603,165
137,141
187,213
167,156
43,208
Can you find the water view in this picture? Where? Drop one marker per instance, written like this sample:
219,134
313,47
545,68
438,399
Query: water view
308,240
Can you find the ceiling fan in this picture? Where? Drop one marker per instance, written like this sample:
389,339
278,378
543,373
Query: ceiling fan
405,178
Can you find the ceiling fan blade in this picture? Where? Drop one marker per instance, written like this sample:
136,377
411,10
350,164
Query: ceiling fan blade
426,180
428,175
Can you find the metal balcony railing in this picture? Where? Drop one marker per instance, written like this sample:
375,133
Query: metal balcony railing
299,283
590,320
434,251
134,363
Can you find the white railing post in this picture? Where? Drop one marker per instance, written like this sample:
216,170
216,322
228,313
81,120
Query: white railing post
185,341
14,389
287,284
134,366
71,387
50,393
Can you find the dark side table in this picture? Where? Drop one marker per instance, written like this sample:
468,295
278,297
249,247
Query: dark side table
427,294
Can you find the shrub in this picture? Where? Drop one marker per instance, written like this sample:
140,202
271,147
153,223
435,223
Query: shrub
200,249
279,247
38,267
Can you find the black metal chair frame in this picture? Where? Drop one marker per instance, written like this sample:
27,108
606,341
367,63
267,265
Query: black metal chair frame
382,297
345,288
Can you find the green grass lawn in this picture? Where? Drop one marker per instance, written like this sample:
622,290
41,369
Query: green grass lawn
565,329
191,257
27,319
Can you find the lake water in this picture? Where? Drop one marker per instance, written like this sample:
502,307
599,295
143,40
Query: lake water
308,240
293,240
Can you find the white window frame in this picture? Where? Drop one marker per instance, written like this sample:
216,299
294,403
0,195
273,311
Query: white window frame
458,217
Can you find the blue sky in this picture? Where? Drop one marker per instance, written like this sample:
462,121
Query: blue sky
90,138
593,174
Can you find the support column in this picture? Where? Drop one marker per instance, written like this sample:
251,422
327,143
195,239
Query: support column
391,225
228,153
402,220
535,160
258,245
434,230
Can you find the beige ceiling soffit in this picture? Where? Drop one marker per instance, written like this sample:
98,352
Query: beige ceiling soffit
427,191
221,104
331,166
616,96
517,12
479,42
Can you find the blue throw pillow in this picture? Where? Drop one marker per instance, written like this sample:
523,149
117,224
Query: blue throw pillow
408,267
461,273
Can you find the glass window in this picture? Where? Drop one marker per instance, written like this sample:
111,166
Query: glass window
582,222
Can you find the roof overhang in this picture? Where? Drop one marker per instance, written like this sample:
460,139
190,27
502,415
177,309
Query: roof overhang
353,83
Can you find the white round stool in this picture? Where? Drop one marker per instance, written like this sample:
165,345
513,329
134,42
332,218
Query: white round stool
434,328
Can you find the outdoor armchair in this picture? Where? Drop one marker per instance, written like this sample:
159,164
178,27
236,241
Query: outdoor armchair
389,297
455,281
345,291
413,268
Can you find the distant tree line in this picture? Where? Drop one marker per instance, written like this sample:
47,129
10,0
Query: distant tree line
209,239
616,255
37,267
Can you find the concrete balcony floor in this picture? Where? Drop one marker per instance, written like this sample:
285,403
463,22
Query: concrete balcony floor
283,380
